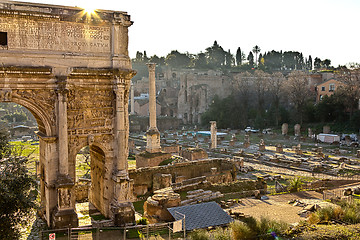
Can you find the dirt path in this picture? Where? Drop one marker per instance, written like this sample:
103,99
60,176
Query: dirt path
277,207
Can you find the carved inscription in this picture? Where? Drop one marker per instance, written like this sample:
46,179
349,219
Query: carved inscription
40,34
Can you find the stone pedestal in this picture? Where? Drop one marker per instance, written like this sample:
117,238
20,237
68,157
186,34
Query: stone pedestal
64,215
124,214
246,141
279,148
297,128
262,145
284,129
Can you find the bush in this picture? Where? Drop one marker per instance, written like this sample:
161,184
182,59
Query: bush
240,230
221,234
200,234
142,221
255,229
295,184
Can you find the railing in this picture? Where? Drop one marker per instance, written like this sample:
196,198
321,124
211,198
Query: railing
166,230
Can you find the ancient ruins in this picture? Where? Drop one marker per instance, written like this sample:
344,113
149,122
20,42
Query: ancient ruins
71,69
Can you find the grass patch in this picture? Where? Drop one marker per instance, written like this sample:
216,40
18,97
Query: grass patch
139,206
98,217
166,162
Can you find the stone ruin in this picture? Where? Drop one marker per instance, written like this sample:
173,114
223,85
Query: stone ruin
155,207
297,130
284,129
262,145
193,154
74,77
246,141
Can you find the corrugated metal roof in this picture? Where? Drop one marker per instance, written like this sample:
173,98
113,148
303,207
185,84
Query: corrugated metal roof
201,215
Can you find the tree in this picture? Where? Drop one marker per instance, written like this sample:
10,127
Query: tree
139,57
273,61
326,63
200,61
17,198
275,84
243,86
317,63
260,85
251,59
310,63
256,50
176,59
298,90
350,89
215,55
238,57
229,59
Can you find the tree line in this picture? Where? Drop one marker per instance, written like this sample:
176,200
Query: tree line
215,57
262,100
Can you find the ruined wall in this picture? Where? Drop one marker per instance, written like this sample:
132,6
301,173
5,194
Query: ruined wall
138,123
143,178
197,89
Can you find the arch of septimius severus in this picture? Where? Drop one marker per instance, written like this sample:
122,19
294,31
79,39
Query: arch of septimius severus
72,71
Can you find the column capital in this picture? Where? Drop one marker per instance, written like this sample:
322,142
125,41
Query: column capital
62,85
151,67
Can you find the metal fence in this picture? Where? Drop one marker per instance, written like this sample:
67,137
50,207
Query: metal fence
150,231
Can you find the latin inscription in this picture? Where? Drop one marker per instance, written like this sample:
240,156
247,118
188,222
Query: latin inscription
54,35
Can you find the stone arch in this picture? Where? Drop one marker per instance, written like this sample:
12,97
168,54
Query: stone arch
42,119
98,156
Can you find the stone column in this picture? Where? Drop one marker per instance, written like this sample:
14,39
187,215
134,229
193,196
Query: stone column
63,131
120,148
152,135
132,103
213,131
152,95
65,214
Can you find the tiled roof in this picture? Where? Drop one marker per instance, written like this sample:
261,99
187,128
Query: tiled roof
201,215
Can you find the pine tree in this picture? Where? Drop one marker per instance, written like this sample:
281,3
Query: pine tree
238,57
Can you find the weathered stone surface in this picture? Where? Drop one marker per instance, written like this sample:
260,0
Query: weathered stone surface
284,129
297,129
75,81
146,159
193,154
155,207
161,181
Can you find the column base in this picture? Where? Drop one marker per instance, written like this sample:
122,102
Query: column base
65,218
124,213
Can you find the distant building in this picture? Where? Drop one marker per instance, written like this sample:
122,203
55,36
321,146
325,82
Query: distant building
326,88
141,107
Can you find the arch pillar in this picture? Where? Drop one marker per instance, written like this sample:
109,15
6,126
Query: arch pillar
122,210
64,214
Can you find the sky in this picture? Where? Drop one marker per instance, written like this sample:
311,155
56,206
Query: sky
328,29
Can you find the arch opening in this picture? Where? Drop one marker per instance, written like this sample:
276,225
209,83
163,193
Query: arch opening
89,186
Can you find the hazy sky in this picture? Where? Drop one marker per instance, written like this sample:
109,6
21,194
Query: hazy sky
321,28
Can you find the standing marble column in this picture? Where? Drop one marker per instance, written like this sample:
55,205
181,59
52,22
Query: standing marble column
63,129
213,131
152,135
132,103
121,155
